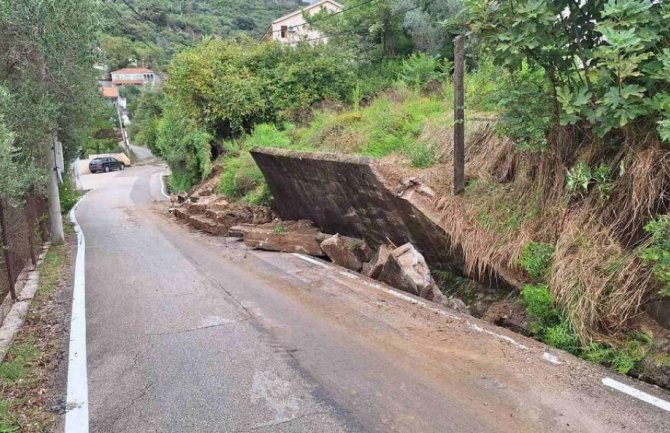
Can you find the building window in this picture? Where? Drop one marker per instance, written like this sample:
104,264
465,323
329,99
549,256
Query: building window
284,31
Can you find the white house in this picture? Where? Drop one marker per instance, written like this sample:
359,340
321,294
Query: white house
134,76
292,28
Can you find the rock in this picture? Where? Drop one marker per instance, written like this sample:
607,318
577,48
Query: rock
347,252
433,293
655,368
378,261
659,310
458,305
406,269
509,314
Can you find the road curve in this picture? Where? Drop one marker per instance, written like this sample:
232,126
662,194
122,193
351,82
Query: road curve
193,333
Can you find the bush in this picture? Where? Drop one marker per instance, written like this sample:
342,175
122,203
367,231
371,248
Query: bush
525,106
539,303
536,259
562,337
68,195
241,178
657,254
420,68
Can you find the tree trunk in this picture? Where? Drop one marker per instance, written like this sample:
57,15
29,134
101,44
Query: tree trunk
53,196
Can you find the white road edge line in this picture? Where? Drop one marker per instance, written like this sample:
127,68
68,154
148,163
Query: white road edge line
76,417
636,393
311,260
414,301
633,392
163,189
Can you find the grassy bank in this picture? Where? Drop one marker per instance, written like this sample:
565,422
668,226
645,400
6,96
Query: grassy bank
26,374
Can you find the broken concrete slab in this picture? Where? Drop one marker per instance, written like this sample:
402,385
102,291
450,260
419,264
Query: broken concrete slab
290,237
347,252
374,269
406,269
349,195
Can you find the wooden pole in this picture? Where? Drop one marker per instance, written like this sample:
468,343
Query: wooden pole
459,117
5,249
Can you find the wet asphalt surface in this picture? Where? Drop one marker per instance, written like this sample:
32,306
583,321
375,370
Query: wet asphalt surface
193,333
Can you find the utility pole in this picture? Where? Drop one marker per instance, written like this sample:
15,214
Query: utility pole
53,196
459,117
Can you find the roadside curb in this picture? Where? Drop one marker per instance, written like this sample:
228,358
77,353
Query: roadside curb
76,417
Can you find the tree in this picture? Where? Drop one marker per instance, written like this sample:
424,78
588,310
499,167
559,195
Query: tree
608,61
47,52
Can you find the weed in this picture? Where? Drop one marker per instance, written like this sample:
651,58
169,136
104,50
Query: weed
539,303
267,135
536,259
562,337
598,353
240,177
8,422
68,195
279,230
423,155
579,178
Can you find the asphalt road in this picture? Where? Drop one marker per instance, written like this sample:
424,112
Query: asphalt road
193,333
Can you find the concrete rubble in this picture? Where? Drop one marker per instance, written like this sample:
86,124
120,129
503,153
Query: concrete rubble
289,237
347,252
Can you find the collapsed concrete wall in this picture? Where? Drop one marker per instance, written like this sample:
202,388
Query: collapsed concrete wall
343,194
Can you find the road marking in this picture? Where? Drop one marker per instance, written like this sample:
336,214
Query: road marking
163,189
551,358
76,417
311,260
636,393
415,301
498,336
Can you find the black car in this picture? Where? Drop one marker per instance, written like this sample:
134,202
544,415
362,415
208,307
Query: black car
106,164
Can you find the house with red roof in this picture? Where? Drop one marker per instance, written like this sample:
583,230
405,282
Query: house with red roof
133,76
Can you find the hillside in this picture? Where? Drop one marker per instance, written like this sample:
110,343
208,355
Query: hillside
150,32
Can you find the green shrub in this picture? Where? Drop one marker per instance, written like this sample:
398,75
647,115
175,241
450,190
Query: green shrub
562,337
68,195
420,68
536,259
524,102
539,303
241,178
657,254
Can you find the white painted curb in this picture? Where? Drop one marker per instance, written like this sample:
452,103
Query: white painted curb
76,416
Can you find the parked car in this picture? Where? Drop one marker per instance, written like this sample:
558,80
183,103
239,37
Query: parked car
106,164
